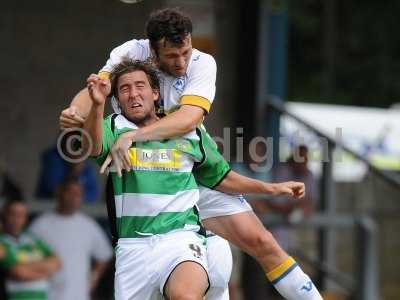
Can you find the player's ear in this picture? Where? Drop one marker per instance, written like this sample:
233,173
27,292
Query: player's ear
156,95
154,53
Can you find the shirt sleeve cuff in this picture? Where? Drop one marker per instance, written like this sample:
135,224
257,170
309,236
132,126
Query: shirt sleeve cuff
196,101
104,75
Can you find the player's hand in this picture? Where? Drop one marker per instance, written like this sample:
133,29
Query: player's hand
119,154
70,118
290,188
98,89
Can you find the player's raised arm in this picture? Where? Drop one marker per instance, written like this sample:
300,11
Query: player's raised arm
79,109
98,91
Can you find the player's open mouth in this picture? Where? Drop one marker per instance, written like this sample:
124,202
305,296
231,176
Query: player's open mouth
136,105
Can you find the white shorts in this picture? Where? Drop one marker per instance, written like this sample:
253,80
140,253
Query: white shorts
215,204
143,265
219,258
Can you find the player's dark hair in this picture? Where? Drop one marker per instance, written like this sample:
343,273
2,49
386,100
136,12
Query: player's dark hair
169,24
127,66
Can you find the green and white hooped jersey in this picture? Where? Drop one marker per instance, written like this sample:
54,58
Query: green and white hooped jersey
27,248
160,193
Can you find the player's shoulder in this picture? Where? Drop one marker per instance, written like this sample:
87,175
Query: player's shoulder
141,43
202,60
135,48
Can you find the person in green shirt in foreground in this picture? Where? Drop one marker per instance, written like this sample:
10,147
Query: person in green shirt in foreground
27,260
161,246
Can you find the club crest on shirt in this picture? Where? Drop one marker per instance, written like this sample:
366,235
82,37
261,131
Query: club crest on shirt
183,146
179,84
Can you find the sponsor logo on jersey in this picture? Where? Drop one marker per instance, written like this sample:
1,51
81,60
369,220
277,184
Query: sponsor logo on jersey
155,159
183,146
196,58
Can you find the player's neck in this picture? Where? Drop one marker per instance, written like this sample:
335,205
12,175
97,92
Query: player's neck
146,123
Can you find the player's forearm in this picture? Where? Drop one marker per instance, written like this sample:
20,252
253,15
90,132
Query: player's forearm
27,272
93,126
175,124
47,266
97,272
83,102
236,183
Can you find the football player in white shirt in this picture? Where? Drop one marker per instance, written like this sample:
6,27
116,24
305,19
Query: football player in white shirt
187,91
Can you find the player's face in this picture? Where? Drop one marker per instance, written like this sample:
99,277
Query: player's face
136,97
174,59
15,218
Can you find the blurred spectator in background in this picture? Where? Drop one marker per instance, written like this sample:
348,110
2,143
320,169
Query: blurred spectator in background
54,170
78,240
291,209
26,260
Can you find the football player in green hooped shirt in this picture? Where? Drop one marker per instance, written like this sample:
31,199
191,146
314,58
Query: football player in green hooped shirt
28,261
146,204
169,45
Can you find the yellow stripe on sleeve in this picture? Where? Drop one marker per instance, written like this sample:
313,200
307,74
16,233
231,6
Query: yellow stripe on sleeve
104,74
281,269
196,101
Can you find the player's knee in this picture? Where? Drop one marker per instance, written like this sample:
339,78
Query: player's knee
263,243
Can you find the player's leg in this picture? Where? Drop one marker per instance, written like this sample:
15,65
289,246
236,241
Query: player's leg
247,232
188,281
219,258
228,217
132,272
183,270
